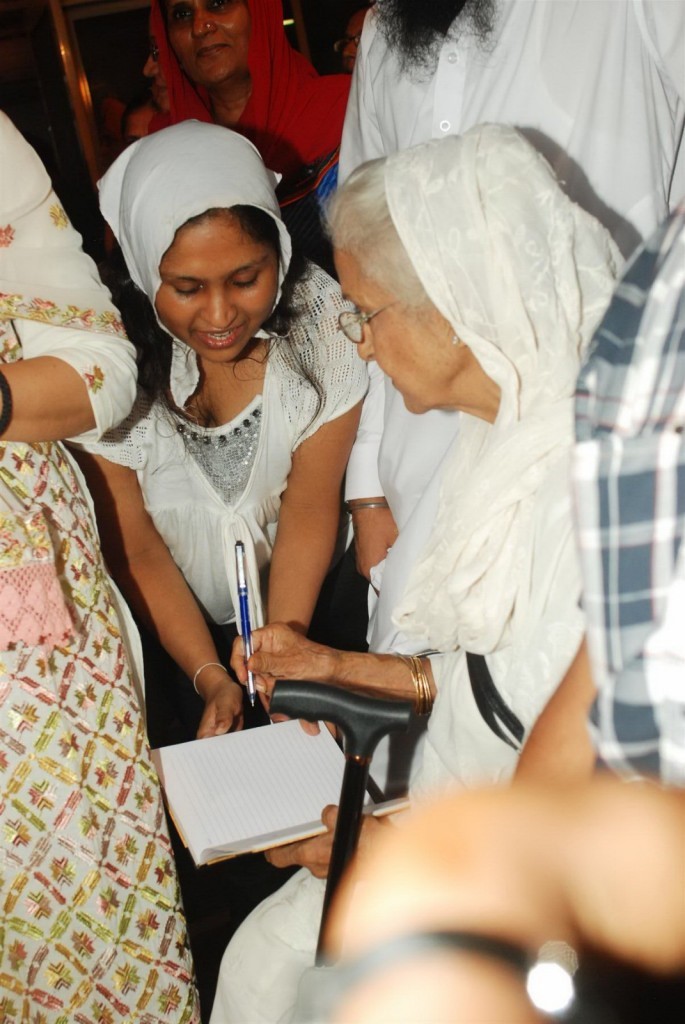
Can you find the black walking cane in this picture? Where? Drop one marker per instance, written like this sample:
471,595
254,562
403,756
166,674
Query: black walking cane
363,721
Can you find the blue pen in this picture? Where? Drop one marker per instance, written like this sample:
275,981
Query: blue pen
244,607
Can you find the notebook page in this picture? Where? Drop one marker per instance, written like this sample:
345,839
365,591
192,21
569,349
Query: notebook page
231,793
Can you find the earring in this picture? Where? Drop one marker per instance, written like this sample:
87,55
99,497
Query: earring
455,339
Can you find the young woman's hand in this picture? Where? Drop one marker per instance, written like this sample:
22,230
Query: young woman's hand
223,712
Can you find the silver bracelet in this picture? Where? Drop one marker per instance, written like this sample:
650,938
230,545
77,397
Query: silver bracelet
207,664
364,504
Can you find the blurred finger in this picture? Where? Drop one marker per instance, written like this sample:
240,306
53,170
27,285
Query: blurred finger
311,728
238,660
330,816
279,718
281,856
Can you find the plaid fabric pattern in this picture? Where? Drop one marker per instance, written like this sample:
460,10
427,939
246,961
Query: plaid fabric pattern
629,483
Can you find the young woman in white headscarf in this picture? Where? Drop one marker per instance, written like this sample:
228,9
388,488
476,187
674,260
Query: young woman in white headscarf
477,284
90,914
247,409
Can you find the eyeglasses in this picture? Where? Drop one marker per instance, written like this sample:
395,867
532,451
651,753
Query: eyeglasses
340,45
351,322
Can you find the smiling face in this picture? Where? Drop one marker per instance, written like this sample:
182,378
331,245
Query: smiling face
218,287
210,38
414,348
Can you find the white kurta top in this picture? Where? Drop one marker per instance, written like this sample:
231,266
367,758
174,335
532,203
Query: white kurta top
546,628
198,527
598,87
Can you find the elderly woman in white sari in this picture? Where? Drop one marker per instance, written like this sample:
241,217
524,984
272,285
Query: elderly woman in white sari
477,285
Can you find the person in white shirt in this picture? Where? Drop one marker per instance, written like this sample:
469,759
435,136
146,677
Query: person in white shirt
598,88
247,406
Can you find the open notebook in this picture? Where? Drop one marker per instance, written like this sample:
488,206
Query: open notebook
247,791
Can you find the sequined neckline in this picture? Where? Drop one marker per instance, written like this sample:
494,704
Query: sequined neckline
226,455
221,434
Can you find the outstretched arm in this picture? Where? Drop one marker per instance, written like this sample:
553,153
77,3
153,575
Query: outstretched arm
69,382
559,748
155,588
49,400
598,867
308,521
280,652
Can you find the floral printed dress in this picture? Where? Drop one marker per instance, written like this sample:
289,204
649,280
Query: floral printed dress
91,926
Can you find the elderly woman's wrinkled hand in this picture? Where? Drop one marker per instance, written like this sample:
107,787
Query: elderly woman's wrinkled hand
280,652
315,853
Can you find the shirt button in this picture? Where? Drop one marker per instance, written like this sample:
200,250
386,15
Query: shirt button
452,58
445,126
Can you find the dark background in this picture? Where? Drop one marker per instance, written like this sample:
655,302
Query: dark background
109,40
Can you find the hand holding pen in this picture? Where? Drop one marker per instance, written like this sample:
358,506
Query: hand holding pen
244,612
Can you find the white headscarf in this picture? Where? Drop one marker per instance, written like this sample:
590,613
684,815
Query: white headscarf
522,274
160,182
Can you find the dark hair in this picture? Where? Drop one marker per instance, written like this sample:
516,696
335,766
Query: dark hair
153,344
139,102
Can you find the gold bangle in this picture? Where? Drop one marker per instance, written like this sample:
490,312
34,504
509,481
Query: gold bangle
423,698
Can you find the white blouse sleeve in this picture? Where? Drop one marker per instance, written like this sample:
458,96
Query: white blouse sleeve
126,444
317,349
106,364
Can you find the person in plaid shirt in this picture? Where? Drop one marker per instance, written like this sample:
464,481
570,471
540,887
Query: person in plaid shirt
629,484
628,678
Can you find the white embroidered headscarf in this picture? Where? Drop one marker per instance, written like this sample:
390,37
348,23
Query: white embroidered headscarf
522,274
159,183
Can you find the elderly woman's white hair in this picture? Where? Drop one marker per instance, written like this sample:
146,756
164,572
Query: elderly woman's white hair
359,223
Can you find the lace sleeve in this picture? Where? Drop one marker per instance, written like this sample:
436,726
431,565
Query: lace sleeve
323,376
126,445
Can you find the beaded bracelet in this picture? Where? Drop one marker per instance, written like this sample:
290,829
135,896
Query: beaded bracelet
6,414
